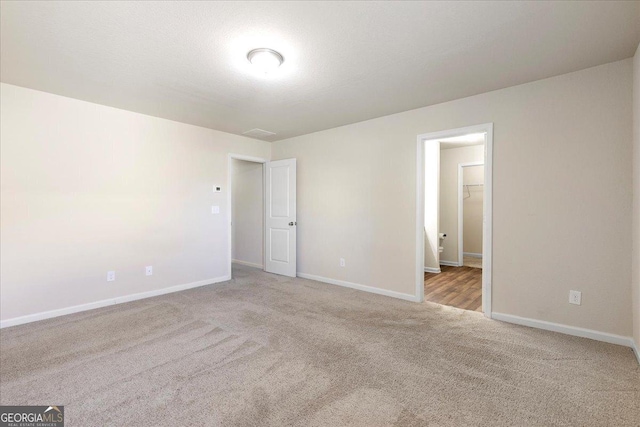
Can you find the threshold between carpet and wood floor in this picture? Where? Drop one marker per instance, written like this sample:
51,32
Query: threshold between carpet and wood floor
270,350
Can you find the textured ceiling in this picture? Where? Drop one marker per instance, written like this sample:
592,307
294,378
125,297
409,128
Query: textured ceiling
344,61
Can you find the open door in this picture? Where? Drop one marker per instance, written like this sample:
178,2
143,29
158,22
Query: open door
280,217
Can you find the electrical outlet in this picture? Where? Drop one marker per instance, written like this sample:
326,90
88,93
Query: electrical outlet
148,270
111,276
342,262
215,210
575,297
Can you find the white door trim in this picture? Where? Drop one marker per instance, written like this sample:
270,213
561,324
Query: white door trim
487,245
230,159
461,167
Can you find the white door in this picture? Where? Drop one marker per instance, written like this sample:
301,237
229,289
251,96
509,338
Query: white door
280,217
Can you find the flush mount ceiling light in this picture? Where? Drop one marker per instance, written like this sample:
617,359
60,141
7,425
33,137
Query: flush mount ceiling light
265,60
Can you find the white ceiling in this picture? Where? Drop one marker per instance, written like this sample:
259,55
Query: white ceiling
344,61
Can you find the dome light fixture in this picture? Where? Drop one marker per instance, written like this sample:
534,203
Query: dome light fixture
265,60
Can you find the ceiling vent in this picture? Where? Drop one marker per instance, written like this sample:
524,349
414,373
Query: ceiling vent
259,133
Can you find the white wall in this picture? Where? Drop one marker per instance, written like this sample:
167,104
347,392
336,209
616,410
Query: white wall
248,214
472,210
450,158
87,188
636,199
562,174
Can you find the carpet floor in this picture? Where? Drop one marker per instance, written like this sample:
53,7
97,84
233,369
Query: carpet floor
469,261
265,350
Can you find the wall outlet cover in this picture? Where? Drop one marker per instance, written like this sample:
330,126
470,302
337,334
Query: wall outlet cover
111,276
148,270
575,297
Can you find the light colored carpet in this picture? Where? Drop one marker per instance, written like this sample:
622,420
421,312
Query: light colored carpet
264,350
469,261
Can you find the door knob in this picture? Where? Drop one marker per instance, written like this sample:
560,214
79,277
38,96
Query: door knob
291,224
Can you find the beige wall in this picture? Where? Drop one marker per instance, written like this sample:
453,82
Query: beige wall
562,174
449,160
472,209
247,200
87,188
636,198
82,186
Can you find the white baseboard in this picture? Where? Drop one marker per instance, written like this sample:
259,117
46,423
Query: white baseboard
450,263
248,264
565,329
365,288
104,303
472,255
636,350
432,270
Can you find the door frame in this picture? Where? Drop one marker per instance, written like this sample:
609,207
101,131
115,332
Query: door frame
230,158
461,167
487,244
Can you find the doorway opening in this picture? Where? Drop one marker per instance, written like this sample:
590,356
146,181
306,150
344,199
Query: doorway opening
246,212
453,222
261,207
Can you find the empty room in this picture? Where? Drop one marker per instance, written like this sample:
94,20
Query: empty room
367,213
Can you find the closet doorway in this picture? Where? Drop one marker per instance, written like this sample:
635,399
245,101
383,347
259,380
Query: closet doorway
470,213
246,213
